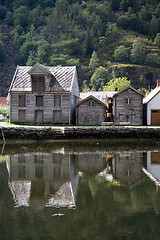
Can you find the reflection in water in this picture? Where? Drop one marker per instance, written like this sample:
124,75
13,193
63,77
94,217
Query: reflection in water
50,179
153,167
75,193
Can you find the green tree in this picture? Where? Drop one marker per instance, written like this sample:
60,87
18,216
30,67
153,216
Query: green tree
123,21
121,54
36,16
31,59
111,32
137,53
21,17
71,47
44,52
152,59
157,39
115,4
3,12
25,49
85,87
119,83
93,64
63,60
61,7
153,29
99,78
4,110
88,44
2,52
103,13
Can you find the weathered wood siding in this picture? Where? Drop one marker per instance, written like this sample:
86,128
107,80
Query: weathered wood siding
40,108
90,115
128,107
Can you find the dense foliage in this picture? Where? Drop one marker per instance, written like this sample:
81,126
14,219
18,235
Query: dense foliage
68,32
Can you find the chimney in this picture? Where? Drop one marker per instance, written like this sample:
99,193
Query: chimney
158,83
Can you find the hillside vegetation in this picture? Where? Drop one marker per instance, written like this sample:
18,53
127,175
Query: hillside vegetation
104,39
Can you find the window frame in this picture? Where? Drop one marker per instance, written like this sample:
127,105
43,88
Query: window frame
91,103
41,102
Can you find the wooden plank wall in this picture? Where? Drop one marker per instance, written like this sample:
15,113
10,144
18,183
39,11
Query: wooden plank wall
121,107
48,107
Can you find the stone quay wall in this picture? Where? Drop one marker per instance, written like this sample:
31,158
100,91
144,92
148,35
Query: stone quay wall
60,133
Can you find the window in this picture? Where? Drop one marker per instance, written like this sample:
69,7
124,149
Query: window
22,100
57,100
129,90
128,100
91,104
38,83
39,101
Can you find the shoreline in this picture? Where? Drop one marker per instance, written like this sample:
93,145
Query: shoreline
77,133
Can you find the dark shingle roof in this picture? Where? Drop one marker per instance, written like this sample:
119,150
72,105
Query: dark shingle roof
22,81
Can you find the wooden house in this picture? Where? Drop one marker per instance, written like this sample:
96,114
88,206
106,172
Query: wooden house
128,107
151,107
90,111
41,94
105,97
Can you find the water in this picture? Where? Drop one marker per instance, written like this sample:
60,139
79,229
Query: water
93,190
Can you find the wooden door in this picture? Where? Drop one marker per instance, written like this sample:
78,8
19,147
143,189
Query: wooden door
22,115
155,157
155,117
57,118
39,116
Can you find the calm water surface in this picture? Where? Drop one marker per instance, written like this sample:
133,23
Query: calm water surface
51,191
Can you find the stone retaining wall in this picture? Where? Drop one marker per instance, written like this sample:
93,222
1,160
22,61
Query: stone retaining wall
42,133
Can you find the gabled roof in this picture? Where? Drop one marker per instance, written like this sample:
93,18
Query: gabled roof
37,68
124,89
91,97
151,95
63,75
102,96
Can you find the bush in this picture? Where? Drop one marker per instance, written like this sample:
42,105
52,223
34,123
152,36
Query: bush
123,21
4,110
121,54
152,59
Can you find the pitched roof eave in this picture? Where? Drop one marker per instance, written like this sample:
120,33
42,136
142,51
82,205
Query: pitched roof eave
94,98
129,86
13,79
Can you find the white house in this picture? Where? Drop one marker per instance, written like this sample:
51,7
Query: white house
151,107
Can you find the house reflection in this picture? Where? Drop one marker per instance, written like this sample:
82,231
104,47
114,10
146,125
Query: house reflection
125,167
152,168
50,179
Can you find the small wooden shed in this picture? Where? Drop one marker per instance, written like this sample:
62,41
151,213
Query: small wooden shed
90,111
41,94
128,107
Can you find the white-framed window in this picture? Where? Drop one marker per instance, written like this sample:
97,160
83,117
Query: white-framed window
91,103
128,101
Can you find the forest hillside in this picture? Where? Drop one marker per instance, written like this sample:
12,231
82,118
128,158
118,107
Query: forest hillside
104,39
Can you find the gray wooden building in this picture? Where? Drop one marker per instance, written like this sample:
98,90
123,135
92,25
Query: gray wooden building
90,111
41,94
128,107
